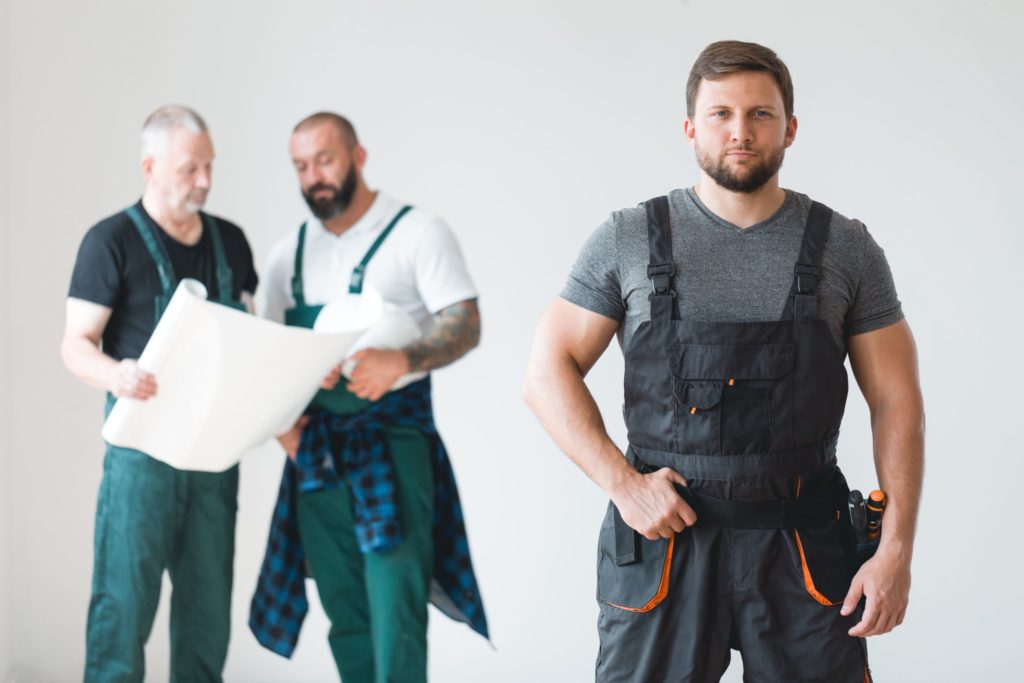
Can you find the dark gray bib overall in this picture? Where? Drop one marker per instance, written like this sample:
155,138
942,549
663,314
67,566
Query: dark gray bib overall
749,413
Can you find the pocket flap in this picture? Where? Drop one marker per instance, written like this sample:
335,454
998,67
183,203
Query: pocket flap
699,395
734,361
639,585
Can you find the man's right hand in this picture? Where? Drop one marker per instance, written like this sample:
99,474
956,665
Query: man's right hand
128,380
290,440
332,378
650,504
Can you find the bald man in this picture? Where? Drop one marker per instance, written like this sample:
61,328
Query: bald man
368,498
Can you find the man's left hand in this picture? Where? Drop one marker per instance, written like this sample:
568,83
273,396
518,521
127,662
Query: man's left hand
884,581
376,372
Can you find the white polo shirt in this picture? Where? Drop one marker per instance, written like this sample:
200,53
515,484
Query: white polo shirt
419,267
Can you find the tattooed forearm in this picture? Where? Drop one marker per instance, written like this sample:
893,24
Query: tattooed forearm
457,331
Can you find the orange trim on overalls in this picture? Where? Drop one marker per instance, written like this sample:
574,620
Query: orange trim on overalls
662,585
808,581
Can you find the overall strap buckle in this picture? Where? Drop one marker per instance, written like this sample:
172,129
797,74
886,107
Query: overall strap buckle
661,275
807,277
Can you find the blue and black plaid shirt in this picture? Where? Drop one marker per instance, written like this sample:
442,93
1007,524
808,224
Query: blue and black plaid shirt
350,449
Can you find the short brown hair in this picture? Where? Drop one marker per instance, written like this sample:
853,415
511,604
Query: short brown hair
731,56
344,126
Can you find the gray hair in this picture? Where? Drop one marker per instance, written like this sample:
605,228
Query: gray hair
160,123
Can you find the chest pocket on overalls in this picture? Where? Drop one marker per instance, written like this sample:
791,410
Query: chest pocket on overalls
732,399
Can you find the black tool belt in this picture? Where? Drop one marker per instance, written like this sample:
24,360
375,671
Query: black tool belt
815,509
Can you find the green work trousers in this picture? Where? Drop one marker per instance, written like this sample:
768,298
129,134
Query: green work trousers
377,602
151,517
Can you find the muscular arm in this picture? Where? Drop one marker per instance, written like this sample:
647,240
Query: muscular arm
80,350
457,332
568,342
885,365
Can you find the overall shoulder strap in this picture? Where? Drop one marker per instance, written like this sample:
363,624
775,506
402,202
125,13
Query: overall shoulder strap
225,278
802,304
297,294
168,279
355,285
661,269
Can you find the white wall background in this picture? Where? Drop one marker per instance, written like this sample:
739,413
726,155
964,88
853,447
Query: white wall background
5,383
523,124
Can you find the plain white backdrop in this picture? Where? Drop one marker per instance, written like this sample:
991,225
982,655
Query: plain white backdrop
523,124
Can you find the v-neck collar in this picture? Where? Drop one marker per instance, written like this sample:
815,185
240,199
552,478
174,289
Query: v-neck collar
786,205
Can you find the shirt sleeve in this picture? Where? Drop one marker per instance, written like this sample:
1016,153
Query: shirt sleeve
96,276
875,303
440,269
593,281
252,279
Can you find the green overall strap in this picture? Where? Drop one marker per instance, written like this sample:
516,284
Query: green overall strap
297,294
225,280
355,285
163,264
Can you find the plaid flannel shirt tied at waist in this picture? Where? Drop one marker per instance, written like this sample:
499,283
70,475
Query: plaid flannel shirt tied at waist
351,450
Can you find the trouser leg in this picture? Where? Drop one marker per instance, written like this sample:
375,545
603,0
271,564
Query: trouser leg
788,620
377,603
328,538
398,580
683,637
201,571
135,520
789,624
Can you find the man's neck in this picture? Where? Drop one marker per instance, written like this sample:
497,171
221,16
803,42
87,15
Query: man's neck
739,208
187,228
362,200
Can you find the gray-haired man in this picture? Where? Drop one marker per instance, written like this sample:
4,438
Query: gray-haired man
150,516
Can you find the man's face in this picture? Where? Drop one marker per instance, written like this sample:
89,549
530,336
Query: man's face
182,172
739,130
328,169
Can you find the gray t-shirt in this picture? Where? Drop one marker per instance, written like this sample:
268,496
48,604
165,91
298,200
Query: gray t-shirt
728,274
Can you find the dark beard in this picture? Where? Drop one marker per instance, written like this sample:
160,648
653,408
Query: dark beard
326,209
755,178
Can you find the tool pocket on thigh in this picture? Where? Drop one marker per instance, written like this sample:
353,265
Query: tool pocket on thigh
632,572
824,562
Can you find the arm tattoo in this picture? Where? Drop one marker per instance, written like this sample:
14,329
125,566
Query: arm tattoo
457,331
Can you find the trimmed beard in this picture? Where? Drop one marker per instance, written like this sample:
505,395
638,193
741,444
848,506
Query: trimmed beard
757,174
326,209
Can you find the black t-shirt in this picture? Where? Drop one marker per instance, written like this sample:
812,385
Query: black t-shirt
114,269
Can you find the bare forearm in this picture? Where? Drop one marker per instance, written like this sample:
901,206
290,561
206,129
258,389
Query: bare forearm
898,430
456,333
87,362
556,393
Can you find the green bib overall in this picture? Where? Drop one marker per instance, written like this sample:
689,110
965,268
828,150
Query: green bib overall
150,517
377,603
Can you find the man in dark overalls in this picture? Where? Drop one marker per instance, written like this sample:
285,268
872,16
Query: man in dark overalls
735,303
368,502
151,516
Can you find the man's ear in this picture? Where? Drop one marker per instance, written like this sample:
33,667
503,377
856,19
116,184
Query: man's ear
791,131
689,131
